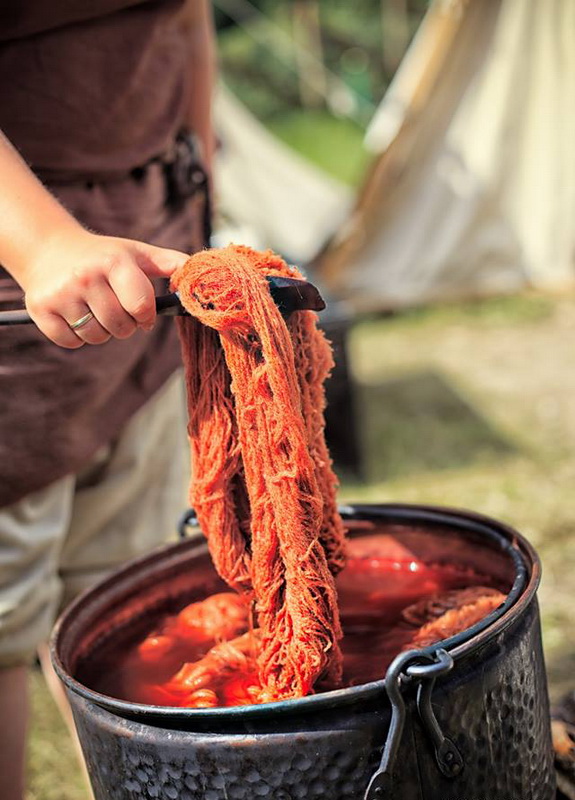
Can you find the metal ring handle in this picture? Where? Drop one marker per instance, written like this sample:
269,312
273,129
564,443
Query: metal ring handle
434,669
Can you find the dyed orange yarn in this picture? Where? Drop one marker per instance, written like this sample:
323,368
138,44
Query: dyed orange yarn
449,613
262,485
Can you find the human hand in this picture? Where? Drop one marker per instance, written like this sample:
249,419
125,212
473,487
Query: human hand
83,274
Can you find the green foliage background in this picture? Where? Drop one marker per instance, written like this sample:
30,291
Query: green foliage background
258,67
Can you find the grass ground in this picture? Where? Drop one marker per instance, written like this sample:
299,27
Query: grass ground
53,771
474,406
471,405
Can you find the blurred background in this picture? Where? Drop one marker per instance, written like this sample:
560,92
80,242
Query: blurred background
416,159
314,71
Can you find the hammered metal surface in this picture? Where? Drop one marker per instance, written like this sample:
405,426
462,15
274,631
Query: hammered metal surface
188,767
493,706
498,717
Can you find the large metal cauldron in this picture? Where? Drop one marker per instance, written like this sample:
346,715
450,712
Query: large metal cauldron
467,720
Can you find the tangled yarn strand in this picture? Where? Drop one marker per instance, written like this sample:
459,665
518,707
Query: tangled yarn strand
267,496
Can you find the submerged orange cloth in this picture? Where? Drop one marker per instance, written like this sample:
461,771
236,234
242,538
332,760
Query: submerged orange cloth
442,616
262,486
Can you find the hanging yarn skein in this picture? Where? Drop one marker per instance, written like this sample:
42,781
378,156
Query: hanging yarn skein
262,483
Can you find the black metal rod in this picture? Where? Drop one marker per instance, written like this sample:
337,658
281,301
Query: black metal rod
289,294
17,317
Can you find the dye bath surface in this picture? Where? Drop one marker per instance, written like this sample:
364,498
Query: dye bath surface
374,593
384,577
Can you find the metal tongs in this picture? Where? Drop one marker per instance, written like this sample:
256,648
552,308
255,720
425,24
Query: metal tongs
289,294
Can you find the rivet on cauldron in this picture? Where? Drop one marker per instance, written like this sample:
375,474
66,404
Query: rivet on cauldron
379,786
452,763
449,758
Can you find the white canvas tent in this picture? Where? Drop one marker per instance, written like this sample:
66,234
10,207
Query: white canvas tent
268,196
472,189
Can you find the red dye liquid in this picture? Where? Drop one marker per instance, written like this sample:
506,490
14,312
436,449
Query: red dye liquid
176,666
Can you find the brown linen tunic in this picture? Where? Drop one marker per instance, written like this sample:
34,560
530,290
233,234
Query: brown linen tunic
90,90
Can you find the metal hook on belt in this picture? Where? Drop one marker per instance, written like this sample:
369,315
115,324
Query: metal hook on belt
408,668
187,521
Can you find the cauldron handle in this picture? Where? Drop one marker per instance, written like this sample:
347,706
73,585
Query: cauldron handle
408,668
447,755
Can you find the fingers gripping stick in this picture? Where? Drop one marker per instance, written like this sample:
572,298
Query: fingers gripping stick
289,295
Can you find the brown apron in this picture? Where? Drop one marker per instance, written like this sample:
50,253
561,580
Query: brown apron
93,98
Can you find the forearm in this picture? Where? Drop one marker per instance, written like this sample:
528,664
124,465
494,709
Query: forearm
29,215
202,63
68,274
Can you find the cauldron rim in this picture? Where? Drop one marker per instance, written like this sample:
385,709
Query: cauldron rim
521,594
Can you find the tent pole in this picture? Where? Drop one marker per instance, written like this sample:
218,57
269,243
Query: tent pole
394,33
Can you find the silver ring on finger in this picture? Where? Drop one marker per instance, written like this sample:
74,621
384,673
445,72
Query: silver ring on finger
79,323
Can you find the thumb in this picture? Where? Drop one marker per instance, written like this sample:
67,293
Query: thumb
159,262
